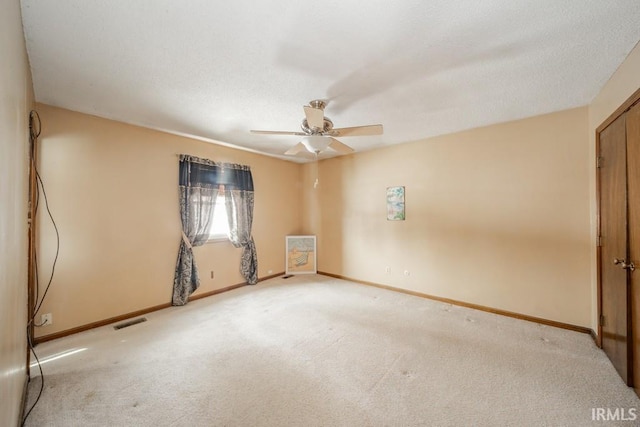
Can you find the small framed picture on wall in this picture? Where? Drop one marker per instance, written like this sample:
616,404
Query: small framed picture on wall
395,204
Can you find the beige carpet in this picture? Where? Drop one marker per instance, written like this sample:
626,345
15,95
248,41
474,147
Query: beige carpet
316,351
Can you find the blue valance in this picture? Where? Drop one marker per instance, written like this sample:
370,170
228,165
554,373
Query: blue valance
197,172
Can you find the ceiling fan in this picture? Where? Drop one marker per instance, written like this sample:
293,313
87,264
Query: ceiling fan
318,132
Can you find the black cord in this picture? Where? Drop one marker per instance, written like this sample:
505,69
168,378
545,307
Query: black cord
34,131
55,260
36,280
35,128
24,420
36,277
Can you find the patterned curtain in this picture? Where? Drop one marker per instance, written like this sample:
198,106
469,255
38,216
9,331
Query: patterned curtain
238,193
200,181
198,193
239,205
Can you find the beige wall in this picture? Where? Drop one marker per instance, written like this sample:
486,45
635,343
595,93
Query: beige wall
502,216
16,100
622,84
496,216
112,189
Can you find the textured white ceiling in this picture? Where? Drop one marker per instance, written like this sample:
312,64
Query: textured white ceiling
214,69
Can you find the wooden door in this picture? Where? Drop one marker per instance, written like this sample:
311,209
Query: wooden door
615,309
633,183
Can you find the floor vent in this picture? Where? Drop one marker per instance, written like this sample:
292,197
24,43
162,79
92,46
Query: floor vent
130,323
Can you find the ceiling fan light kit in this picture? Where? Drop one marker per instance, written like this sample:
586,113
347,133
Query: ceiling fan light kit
318,132
315,143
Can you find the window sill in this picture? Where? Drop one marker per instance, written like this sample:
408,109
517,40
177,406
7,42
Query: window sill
217,239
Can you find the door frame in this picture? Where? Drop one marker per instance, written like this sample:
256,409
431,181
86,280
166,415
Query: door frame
630,102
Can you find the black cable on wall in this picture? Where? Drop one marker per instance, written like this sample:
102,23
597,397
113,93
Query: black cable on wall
35,128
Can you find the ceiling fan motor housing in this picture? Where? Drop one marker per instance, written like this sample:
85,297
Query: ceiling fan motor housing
327,125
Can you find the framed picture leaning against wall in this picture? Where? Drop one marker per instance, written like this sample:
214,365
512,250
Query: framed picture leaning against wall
301,255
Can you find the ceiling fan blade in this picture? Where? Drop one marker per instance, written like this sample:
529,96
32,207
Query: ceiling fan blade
340,147
295,149
277,132
358,131
315,117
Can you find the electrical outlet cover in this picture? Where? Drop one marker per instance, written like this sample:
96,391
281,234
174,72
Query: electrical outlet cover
46,319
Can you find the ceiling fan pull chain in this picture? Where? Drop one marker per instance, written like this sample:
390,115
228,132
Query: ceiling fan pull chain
317,181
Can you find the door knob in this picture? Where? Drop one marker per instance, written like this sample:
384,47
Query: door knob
623,263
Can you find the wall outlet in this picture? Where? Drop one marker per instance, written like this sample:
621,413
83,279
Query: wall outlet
46,319
387,270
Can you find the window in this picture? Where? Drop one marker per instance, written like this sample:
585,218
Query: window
220,227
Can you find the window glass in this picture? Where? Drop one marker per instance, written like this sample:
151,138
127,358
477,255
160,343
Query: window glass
220,227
